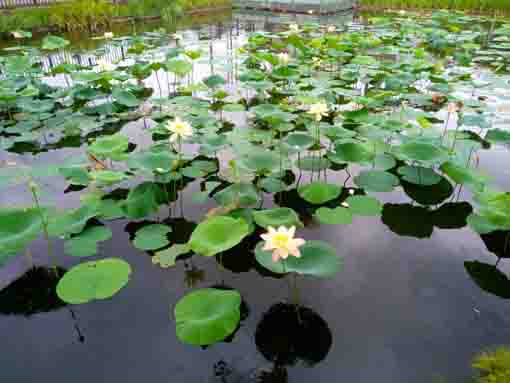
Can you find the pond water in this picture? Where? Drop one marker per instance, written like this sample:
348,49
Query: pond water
402,309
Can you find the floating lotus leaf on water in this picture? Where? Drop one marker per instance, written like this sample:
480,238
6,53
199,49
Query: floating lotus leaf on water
384,162
480,224
166,258
152,161
317,258
93,280
419,175
108,177
319,193
364,205
498,136
207,316
85,243
18,228
336,216
376,180
218,234
241,194
464,175
152,237
299,141
276,217
125,97
260,160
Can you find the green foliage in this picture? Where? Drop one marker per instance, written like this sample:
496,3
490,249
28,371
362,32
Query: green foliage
488,6
493,366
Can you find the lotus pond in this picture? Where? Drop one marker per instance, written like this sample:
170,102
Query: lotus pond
306,202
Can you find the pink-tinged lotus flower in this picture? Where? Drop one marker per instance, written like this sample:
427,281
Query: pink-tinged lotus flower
452,108
282,242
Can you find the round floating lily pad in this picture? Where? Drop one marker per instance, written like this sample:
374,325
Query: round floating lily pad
85,244
218,234
364,205
337,216
281,216
384,162
376,180
152,237
93,280
419,175
319,192
317,258
19,227
299,141
207,316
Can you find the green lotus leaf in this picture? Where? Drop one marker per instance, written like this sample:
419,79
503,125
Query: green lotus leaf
166,258
152,161
464,175
498,136
125,97
18,228
152,237
71,221
351,152
299,141
424,152
314,164
52,43
376,180
336,216
419,175
207,316
85,243
93,280
242,194
364,205
317,258
143,200
319,193
480,224
384,162
260,160
108,177
281,216
179,67
214,81
218,234
109,146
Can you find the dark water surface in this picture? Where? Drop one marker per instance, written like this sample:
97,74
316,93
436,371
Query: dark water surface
403,309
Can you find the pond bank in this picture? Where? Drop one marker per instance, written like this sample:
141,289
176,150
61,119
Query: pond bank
488,7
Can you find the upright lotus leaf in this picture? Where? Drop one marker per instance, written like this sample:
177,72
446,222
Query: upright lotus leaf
179,67
166,258
152,161
71,221
241,194
52,43
207,316
108,177
93,280
419,175
299,141
364,205
376,180
423,152
319,193
281,216
336,216
351,152
317,258
464,175
498,136
218,234
85,243
125,97
113,146
152,237
214,81
481,225
18,227
142,201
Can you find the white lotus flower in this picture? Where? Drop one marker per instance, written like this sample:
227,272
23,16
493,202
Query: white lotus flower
108,35
180,129
352,191
331,28
402,12
316,61
284,58
177,36
350,107
294,28
282,242
17,35
105,66
318,110
344,204
452,108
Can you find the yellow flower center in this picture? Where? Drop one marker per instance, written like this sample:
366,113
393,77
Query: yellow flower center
281,240
180,128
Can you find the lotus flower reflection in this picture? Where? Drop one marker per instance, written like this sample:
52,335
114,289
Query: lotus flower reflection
282,242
